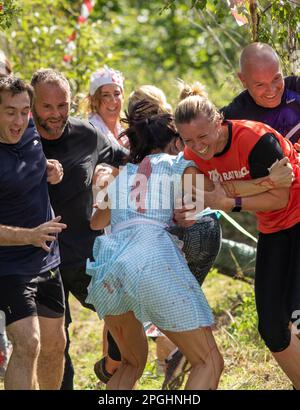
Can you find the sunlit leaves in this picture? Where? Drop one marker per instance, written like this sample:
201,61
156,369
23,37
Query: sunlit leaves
9,11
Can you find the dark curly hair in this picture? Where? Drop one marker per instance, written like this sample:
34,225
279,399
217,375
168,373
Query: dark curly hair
14,86
147,132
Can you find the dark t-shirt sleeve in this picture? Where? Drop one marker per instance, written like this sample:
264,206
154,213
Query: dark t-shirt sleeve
228,111
293,83
111,154
240,105
265,152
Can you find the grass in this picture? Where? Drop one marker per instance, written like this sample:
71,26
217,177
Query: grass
248,364
86,349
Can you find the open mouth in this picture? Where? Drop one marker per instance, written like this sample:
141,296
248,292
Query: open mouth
112,110
204,150
272,98
15,132
272,101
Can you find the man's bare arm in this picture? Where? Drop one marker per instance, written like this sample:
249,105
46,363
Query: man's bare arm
38,236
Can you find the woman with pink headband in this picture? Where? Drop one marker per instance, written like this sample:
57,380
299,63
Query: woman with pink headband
105,100
106,96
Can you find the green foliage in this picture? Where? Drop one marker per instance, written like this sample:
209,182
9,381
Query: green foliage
39,39
279,26
132,36
151,42
8,12
274,22
244,326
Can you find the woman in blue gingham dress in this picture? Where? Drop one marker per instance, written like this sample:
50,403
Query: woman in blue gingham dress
138,272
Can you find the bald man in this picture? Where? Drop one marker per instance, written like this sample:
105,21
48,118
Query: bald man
268,97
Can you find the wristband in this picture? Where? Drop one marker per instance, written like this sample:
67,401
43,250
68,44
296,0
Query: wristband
237,204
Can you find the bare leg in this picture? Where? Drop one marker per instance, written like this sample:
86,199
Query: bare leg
111,365
105,343
129,334
51,359
289,361
164,347
21,373
200,349
295,330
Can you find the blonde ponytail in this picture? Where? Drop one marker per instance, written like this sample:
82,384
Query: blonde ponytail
187,90
195,104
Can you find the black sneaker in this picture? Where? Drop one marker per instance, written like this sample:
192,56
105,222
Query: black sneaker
175,370
101,372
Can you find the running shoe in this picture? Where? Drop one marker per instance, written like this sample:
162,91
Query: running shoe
176,364
101,372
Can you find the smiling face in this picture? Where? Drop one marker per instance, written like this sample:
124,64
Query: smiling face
107,102
202,137
14,115
264,82
51,107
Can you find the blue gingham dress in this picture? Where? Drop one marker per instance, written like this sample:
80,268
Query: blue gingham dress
139,267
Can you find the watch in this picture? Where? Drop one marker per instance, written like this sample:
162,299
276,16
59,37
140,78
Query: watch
237,204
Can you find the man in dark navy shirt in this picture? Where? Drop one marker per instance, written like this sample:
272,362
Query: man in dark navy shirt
31,293
268,97
79,146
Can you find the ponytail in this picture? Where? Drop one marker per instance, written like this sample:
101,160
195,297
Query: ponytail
194,104
187,90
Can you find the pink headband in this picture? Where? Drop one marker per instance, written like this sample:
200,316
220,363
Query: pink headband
105,76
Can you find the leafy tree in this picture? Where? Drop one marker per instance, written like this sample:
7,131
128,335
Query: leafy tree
40,37
8,12
279,25
274,22
151,42
147,44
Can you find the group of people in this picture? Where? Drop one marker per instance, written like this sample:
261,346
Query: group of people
151,266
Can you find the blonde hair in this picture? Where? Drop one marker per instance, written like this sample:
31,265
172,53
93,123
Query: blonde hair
5,64
194,104
89,104
152,95
186,90
84,107
94,100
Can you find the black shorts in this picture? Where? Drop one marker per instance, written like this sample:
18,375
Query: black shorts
38,295
76,281
277,285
